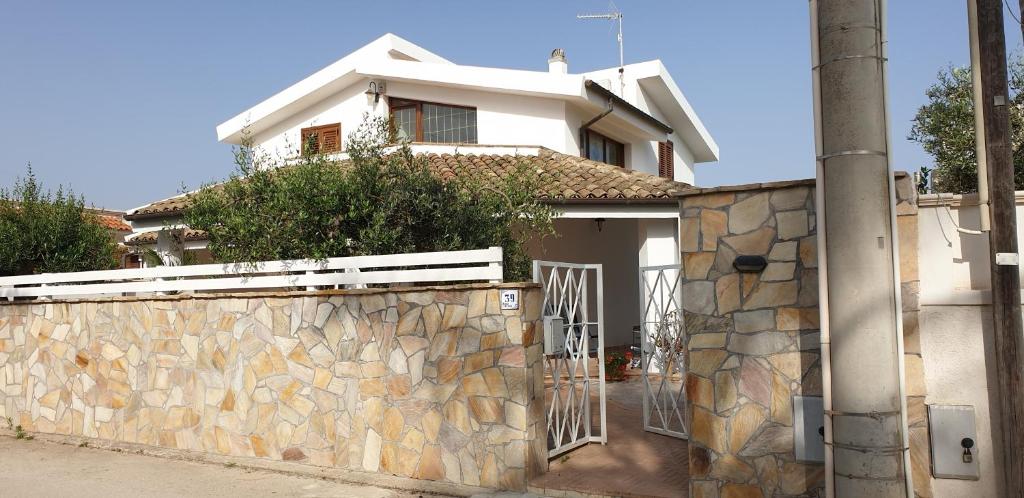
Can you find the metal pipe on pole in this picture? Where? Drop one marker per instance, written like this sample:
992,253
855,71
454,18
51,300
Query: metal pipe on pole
979,123
861,316
1004,258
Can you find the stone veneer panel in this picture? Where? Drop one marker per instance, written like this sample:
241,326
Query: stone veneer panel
430,383
742,425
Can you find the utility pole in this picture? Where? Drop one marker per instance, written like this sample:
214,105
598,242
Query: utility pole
866,437
1004,258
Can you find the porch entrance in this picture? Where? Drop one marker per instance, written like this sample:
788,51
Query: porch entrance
634,461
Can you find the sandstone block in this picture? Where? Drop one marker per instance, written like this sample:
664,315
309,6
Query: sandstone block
713,224
792,224
749,214
754,243
697,264
772,295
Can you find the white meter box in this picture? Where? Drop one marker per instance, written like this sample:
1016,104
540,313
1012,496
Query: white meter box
554,335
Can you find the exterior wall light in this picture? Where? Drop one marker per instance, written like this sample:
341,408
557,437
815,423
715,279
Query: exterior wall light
750,264
600,223
374,92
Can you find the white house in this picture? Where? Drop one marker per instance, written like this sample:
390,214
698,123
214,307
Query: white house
615,146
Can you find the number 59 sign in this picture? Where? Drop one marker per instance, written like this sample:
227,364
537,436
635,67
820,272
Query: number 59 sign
510,299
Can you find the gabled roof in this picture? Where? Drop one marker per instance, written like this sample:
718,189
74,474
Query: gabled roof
562,178
658,85
322,83
392,58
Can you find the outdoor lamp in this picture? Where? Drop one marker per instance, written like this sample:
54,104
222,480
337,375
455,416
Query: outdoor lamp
749,264
600,223
374,92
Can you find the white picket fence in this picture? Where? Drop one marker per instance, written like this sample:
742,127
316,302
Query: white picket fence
424,267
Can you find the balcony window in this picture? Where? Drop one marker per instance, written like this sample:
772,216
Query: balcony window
430,122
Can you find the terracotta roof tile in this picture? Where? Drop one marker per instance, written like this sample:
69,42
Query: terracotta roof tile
113,223
562,178
147,238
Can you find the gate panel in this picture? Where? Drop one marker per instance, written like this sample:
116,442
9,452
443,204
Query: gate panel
580,319
663,350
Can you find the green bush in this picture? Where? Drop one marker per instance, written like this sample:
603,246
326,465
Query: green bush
45,231
383,200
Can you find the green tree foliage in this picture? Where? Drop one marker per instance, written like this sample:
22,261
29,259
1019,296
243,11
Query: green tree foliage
45,231
945,128
383,200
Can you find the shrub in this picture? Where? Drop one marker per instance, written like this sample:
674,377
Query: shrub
45,231
382,200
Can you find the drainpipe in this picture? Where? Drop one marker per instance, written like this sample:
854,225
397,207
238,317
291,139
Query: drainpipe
819,209
586,126
861,327
979,119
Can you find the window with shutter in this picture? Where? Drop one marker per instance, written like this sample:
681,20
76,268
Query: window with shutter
321,139
666,160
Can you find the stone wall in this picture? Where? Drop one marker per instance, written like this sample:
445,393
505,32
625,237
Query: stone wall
754,339
429,383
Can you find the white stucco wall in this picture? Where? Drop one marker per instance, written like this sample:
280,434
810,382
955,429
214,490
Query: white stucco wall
956,327
956,344
502,119
952,262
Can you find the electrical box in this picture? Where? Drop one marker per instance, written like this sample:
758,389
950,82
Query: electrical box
954,441
809,428
554,335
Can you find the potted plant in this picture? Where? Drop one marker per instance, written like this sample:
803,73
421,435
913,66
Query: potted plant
615,364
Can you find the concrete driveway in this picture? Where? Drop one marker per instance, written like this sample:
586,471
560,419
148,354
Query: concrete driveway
44,469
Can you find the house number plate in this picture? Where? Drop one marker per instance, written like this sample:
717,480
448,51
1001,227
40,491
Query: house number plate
510,299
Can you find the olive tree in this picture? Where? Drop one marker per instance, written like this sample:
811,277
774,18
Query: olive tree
383,199
944,127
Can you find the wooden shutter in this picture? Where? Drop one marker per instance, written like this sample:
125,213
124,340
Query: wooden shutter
330,138
325,139
666,160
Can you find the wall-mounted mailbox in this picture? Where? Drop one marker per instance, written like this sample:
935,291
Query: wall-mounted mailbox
953,437
809,428
554,335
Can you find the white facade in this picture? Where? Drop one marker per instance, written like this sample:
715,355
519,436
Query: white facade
956,327
514,107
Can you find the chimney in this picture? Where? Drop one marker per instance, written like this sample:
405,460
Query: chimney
557,63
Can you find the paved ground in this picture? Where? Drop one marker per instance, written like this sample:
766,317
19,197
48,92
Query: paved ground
42,469
633,463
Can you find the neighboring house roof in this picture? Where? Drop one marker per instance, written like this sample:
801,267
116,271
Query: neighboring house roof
562,178
148,238
395,59
114,223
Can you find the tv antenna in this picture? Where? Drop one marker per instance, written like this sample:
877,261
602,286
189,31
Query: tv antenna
615,15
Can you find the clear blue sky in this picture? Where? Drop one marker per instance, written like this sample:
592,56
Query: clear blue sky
120,99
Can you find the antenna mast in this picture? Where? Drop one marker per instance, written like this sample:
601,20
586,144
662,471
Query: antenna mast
613,16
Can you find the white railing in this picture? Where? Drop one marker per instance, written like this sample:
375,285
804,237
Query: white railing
449,266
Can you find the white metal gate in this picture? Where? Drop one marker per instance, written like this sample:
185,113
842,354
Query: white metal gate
663,350
568,374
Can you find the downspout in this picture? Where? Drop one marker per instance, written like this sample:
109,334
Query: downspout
586,126
819,209
883,38
979,120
